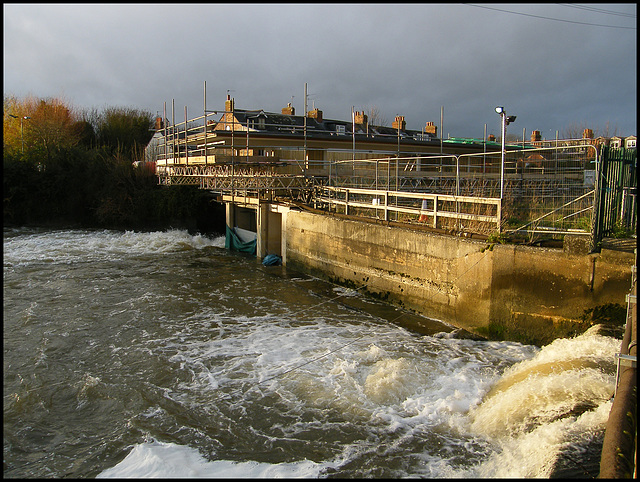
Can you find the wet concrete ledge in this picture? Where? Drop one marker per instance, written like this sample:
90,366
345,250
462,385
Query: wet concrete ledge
529,294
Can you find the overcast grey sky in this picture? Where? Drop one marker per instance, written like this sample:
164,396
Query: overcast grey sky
554,66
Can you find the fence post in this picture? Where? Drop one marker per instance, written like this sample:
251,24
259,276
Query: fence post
596,222
386,205
457,175
346,201
435,211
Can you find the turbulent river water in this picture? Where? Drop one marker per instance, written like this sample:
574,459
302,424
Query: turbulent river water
164,355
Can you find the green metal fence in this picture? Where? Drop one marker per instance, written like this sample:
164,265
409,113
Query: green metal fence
616,193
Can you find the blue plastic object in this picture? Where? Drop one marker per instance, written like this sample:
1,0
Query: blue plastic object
272,260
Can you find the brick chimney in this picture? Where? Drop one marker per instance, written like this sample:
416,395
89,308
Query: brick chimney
535,136
361,118
587,134
159,123
228,104
289,110
491,138
431,129
315,114
399,123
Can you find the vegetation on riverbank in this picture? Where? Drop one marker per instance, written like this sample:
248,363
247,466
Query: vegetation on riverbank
62,167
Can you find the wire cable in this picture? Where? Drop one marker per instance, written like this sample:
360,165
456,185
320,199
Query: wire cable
598,10
549,18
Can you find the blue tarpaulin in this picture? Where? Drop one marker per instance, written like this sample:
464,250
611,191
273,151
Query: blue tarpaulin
272,260
233,242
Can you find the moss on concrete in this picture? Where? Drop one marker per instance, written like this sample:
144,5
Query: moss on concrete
539,330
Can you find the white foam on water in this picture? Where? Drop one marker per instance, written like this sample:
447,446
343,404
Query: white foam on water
507,407
65,247
346,292
510,425
544,404
563,375
534,453
168,460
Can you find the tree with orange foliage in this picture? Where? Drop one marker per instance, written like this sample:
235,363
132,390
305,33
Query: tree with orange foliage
48,125
52,127
14,113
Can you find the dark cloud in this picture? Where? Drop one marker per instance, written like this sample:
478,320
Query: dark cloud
405,59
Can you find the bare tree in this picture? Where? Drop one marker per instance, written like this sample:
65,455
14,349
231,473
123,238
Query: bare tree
606,131
375,117
576,130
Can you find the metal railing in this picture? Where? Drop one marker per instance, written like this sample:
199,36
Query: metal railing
546,191
423,208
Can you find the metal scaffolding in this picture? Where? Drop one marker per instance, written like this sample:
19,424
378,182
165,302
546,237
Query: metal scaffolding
542,191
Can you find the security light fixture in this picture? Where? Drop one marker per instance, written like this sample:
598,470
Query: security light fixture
21,127
504,122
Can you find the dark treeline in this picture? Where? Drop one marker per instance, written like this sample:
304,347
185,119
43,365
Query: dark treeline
86,170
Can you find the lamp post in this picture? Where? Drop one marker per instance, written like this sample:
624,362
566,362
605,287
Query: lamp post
21,127
504,121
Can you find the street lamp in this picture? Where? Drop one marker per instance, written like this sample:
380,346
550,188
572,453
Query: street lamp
504,121
21,127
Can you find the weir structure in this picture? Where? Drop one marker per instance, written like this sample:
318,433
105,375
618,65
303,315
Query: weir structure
294,186
419,220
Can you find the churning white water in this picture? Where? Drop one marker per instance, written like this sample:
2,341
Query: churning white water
163,355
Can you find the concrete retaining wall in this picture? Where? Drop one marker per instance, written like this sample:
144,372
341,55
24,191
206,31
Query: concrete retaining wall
461,281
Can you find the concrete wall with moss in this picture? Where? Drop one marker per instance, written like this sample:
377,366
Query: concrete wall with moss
520,292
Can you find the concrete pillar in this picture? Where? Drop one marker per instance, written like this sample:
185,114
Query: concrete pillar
230,207
262,223
283,238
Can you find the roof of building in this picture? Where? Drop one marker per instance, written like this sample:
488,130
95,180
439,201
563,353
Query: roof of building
496,144
285,123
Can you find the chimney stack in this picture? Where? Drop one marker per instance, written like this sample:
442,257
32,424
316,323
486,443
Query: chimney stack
289,110
228,104
587,134
361,118
491,138
315,114
399,123
431,129
159,123
536,137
